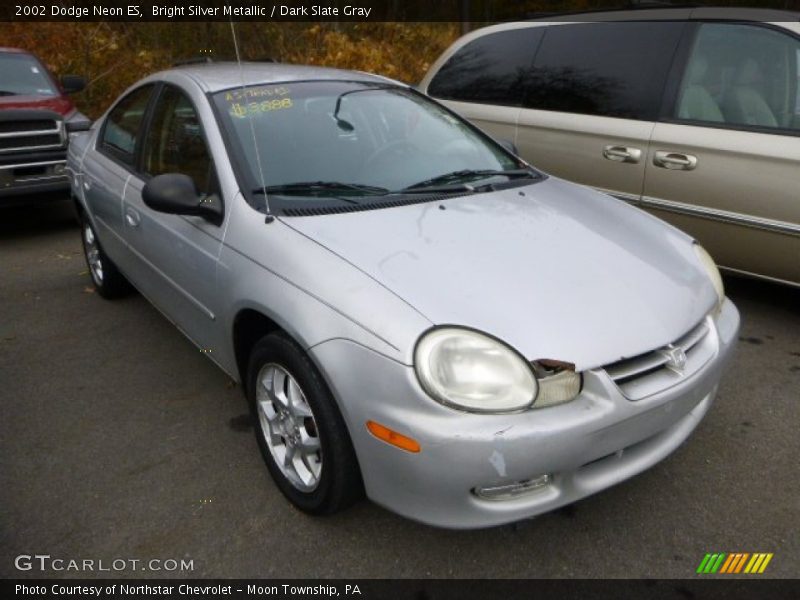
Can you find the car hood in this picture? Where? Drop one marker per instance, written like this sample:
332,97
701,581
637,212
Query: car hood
59,104
554,269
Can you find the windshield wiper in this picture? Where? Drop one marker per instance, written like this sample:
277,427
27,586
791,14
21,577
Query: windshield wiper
465,174
313,187
7,93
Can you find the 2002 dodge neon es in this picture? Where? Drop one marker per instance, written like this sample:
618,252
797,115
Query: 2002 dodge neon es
413,311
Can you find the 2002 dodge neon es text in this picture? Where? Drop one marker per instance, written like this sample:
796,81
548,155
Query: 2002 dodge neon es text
412,310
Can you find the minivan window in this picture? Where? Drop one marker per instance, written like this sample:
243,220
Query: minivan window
122,125
489,70
797,92
607,69
741,75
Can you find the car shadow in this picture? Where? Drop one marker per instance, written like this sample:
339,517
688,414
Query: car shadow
42,215
748,290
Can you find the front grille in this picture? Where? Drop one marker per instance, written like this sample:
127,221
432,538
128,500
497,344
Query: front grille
27,125
31,142
640,376
30,135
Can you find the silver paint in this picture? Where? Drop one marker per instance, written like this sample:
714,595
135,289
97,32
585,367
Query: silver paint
553,269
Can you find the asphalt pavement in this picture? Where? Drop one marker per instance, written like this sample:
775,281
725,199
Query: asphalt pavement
119,440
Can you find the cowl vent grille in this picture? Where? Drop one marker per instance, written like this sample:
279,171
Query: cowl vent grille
317,211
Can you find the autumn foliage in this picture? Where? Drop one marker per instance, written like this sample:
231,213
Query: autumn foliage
112,56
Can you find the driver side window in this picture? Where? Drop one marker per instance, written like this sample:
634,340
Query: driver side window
175,143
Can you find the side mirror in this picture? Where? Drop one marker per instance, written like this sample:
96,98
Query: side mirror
72,83
509,145
176,193
77,123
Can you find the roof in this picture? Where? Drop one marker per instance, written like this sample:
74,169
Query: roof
213,77
14,51
672,11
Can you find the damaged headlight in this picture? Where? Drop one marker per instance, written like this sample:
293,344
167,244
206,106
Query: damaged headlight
473,371
713,272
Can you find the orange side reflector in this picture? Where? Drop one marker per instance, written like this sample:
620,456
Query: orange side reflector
392,437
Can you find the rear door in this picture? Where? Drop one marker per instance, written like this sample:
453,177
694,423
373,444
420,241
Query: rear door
724,165
484,79
176,256
107,169
592,99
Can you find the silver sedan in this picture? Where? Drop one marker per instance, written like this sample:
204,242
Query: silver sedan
414,312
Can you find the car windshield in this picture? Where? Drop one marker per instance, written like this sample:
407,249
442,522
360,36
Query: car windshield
23,75
343,140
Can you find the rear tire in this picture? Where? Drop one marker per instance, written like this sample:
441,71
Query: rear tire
106,278
300,432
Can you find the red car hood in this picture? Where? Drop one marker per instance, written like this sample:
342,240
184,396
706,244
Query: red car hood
59,104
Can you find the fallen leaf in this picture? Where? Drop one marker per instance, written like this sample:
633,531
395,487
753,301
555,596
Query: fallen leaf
88,290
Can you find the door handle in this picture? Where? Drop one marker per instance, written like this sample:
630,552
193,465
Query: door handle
623,154
675,161
132,217
88,181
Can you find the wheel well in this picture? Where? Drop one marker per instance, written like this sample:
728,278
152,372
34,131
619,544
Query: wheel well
76,205
249,326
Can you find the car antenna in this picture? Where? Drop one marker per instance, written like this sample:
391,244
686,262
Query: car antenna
269,216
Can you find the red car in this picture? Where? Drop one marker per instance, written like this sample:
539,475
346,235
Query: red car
36,117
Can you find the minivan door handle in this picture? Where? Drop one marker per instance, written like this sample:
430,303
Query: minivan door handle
624,154
675,161
132,217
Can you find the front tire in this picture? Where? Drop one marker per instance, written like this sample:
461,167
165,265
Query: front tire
106,278
300,432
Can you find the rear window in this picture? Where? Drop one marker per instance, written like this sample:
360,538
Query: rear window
23,75
121,129
489,70
741,75
606,69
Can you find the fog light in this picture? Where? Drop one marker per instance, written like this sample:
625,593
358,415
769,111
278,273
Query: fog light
512,490
59,169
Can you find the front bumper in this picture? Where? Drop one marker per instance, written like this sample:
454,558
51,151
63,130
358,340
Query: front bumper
33,173
599,439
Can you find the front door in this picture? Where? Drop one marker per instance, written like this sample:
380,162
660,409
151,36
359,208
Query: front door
176,255
592,100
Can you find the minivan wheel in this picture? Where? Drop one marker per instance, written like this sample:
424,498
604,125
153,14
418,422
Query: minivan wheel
300,432
107,279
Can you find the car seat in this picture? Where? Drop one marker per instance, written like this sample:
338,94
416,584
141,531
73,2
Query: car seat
696,103
745,104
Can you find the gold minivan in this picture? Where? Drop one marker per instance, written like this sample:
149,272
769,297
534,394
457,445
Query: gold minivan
692,114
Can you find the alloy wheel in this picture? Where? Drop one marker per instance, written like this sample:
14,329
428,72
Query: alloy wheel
288,427
92,250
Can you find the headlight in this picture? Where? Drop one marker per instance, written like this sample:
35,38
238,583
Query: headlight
712,270
558,382
473,371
